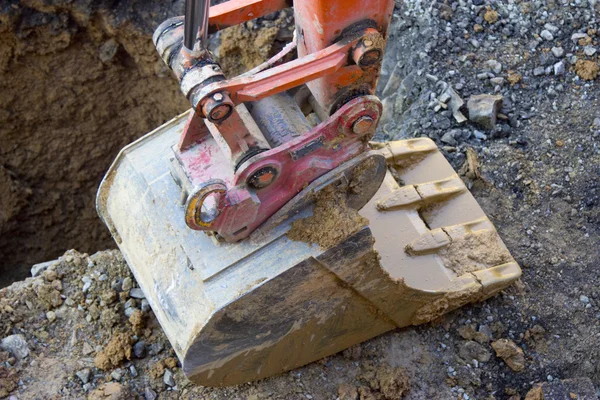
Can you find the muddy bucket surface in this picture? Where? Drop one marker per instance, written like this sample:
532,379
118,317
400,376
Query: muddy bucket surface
237,312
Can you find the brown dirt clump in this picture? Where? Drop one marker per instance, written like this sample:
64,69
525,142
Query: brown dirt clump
587,70
49,296
8,381
115,352
171,362
332,221
347,391
471,167
137,321
491,16
157,370
535,393
475,251
511,354
385,382
514,77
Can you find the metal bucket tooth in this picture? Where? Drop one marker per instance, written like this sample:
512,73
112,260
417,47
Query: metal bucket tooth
248,310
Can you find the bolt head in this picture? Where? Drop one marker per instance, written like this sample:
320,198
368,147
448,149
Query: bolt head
218,97
362,125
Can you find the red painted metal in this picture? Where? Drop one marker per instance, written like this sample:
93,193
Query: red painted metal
195,130
234,12
282,77
340,44
297,162
320,22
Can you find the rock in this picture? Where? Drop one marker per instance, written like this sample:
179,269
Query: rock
139,349
37,269
449,138
127,284
497,81
577,389
168,378
156,348
15,345
133,371
51,316
547,35
145,305
470,350
108,51
584,299
454,104
137,293
494,66
576,37
511,354
129,311
559,68
84,375
539,71
484,108
117,374
589,50
150,394
558,52
479,135
86,350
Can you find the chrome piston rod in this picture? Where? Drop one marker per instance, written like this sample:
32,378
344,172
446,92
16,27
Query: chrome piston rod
196,24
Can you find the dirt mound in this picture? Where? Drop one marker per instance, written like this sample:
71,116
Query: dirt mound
72,352
80,81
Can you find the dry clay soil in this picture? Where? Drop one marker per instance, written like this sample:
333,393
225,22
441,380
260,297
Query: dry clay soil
552,315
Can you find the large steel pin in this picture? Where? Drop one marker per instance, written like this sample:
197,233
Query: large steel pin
196,25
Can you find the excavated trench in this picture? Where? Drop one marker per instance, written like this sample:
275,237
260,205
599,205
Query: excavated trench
78,81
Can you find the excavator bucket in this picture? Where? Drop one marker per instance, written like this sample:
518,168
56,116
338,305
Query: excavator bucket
389,239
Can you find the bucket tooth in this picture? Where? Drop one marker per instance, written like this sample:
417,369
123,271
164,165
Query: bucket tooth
419,195
441,190
497,278
405,196
461,230
400,150
428,242
435,239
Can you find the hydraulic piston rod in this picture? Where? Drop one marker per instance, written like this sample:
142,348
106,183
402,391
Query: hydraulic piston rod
196,24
